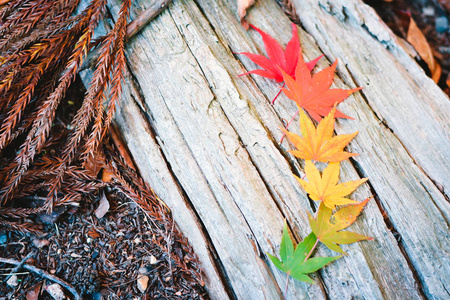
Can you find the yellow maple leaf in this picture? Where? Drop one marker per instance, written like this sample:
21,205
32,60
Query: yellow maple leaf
325,188
319,144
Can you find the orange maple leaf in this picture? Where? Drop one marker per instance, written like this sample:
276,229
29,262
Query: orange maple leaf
325,188
318,144
313,93
325,227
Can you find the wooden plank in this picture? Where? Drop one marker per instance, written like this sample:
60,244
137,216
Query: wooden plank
132,120
335,281
408,161
395,87
217,162
207,140
345,281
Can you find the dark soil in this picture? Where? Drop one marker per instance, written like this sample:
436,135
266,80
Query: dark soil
101,258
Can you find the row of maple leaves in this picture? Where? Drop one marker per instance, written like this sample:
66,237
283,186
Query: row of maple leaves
312,93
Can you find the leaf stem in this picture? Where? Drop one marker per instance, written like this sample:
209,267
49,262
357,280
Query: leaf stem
287,126
278,94
306,258
312,249
285,289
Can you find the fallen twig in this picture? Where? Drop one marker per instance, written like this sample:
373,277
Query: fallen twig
44,274
146,16
132,29
17,267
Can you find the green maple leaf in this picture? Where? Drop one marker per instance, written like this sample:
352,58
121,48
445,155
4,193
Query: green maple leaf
326,227
294,261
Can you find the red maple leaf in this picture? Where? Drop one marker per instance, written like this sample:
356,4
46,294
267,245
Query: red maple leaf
277,58
313,93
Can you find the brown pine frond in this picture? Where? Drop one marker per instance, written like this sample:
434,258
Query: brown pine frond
69,187
41,125
92,107
68,199
32,14
17,14
118,35
16,213
15,111
21,227
9,47
10,6
42,92
61,10
119,68
42,49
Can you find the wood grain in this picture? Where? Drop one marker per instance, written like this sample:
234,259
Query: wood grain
207,143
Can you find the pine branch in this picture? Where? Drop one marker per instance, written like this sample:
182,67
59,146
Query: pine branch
16,213
117,78
92,107
33,14
41,126
21,227
133,28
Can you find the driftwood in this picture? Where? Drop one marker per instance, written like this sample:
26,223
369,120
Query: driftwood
207,143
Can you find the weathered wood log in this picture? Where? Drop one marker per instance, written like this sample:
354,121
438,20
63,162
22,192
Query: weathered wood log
207,143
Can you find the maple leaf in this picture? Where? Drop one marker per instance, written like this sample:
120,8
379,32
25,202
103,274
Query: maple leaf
325,188
296,262
277,58
313,93
326,227
318,144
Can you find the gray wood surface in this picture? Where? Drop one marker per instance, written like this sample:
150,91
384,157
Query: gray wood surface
207,143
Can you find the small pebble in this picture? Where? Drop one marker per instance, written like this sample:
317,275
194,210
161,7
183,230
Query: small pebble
142,270
39,243
441,24
13,281
96,296
3,238
142,283
55,291
428,11
153,260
